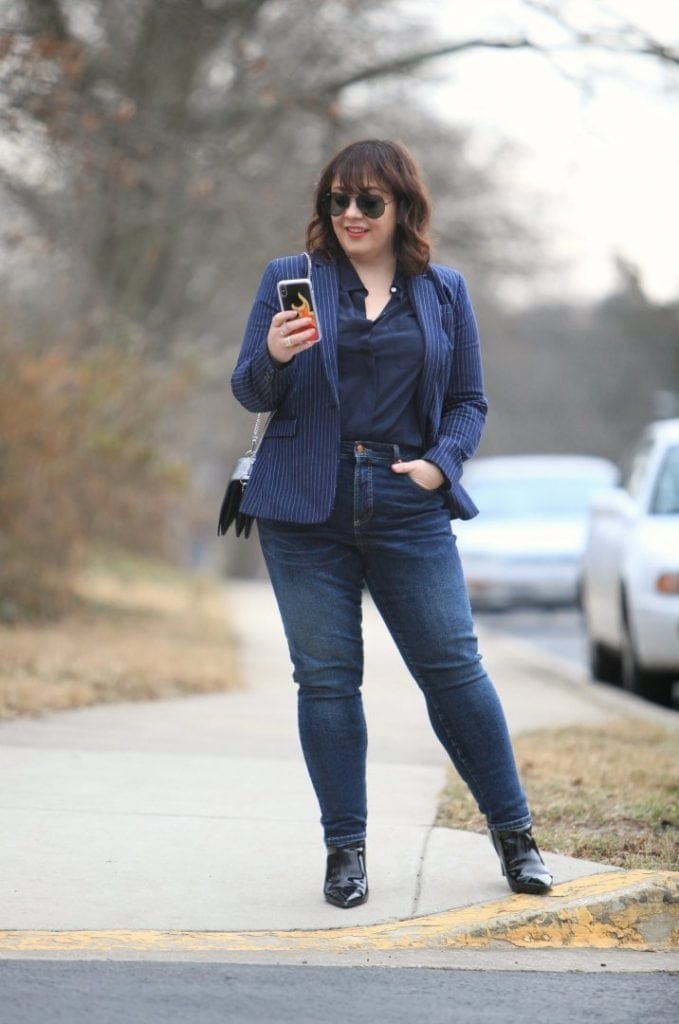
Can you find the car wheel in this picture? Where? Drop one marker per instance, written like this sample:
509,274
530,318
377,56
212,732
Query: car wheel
604,664
654,686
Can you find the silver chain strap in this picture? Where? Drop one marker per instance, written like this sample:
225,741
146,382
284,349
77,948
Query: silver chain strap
255,437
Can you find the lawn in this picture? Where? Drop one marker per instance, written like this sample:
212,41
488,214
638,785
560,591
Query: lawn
608,793
135,633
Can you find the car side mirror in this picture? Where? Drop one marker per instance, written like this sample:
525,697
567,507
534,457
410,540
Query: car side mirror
614,501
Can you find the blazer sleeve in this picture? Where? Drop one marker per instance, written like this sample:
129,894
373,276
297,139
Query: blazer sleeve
257,382
464,406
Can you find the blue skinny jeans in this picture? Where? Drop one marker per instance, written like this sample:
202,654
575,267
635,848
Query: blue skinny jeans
394,537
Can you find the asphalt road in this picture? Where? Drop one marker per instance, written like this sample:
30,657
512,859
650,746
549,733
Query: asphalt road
556,630
96,992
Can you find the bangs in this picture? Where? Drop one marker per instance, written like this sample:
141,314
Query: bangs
361,181
357,171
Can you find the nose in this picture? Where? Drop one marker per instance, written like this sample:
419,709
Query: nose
352,208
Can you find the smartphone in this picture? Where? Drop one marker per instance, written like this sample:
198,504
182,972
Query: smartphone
298,294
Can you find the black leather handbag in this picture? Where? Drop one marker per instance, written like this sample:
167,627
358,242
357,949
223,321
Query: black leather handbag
230,512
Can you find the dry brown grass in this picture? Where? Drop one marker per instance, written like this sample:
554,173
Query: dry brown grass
82,463
608,793
131,637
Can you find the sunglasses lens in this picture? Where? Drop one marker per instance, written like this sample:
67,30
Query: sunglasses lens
337,203
372,206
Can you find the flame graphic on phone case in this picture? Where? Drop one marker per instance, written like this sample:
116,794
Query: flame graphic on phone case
302,308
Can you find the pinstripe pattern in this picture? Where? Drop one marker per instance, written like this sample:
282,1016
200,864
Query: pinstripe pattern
295,475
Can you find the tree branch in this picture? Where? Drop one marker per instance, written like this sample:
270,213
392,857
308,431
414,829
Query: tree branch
47,18
625,38
41,211
398,65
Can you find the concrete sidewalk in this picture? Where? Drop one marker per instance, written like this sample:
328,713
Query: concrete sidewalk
124,825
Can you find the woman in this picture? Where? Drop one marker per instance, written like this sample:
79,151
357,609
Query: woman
355,483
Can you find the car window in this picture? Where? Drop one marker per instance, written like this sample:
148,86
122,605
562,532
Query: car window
666,494
545,497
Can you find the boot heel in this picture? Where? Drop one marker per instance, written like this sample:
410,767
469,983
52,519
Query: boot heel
521,862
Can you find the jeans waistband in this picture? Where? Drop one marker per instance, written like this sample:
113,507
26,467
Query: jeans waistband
378,451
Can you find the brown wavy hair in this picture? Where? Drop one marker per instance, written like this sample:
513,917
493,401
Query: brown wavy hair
390,166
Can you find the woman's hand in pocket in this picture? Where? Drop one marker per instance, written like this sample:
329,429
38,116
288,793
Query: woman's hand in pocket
424,474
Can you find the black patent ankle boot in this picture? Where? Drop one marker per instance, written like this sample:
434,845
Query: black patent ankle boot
522,863
346,881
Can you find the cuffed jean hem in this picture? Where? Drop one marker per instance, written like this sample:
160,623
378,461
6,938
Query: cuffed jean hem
345,840
518,825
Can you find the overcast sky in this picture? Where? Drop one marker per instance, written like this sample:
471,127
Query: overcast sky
602,161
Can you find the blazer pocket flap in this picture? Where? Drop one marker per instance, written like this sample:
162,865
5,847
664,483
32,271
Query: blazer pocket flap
281,428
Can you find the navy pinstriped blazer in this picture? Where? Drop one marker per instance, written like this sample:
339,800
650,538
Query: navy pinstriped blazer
294,477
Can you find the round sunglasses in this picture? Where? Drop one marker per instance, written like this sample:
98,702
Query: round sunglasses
369,204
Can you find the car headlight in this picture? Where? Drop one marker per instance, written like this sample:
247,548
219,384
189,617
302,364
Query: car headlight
667,583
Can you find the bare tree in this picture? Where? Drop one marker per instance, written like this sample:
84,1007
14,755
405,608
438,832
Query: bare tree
173,134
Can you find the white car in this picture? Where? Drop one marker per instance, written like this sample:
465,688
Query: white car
525,546
631,571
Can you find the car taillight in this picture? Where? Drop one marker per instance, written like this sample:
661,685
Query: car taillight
668,583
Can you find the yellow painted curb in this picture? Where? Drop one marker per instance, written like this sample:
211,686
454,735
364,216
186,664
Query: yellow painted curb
622,909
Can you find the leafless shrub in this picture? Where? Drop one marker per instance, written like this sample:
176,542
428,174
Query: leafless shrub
81,462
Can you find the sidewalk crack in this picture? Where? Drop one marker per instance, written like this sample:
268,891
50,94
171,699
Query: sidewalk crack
420,873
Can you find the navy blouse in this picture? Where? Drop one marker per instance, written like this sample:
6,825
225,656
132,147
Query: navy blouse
379,363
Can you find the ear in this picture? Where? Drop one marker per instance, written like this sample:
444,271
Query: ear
402,211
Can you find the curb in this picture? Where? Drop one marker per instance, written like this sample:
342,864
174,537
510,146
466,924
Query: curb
636,910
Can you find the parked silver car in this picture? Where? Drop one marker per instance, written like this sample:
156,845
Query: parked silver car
526,544
631,571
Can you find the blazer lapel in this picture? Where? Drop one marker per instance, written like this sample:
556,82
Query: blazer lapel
428,311
326,293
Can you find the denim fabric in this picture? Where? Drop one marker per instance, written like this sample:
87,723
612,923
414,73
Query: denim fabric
391,535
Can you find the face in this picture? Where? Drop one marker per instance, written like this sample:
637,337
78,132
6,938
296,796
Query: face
366,239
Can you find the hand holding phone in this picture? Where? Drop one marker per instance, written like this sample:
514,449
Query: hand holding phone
297,295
